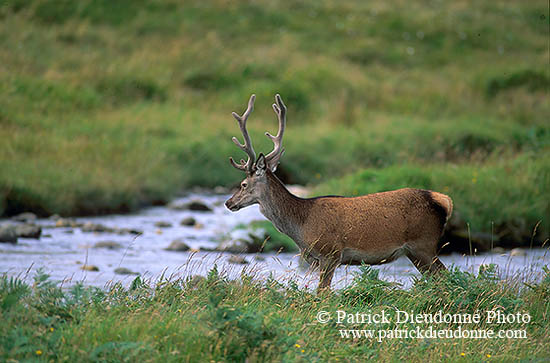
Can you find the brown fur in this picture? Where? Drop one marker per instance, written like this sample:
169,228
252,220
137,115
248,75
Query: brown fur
374,229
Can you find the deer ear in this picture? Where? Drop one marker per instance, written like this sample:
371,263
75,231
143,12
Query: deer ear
261,165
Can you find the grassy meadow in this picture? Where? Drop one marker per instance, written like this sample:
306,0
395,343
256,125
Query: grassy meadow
107,106
215,319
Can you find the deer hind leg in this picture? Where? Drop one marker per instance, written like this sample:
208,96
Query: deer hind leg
423,255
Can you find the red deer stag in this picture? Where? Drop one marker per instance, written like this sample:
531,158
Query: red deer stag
331,230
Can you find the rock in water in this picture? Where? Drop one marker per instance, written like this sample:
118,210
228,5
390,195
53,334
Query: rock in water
162,224
177,245
195,205
93,227
108,244
125,271
67,222
234,246
239,260
198,206
128,231
189,221
207,249
175,206
25,217
89,268
28,231
518,252
498,250
8,234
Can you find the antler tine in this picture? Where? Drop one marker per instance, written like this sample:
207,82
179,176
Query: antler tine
247,146
272,159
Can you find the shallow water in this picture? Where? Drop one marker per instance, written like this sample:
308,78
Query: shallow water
61,252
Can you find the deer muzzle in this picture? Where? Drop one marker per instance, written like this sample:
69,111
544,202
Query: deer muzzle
231,205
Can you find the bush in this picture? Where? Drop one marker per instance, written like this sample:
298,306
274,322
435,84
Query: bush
533,80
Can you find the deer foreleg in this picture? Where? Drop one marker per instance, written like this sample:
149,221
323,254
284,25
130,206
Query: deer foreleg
327,266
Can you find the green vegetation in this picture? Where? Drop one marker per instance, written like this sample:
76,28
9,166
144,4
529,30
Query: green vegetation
106,106
217,319
265,237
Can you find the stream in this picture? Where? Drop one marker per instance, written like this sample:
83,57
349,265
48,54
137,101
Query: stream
62,251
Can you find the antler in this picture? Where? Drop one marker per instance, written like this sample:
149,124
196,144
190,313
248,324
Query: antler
272,159
247,146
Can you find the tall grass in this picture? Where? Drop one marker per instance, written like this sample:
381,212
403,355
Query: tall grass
218,319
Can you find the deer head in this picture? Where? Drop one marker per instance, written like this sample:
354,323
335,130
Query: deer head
255,183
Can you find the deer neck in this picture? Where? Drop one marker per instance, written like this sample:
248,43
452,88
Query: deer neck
286,211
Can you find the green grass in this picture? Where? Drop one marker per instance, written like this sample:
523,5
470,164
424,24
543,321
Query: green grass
265,237
221,320
108,106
